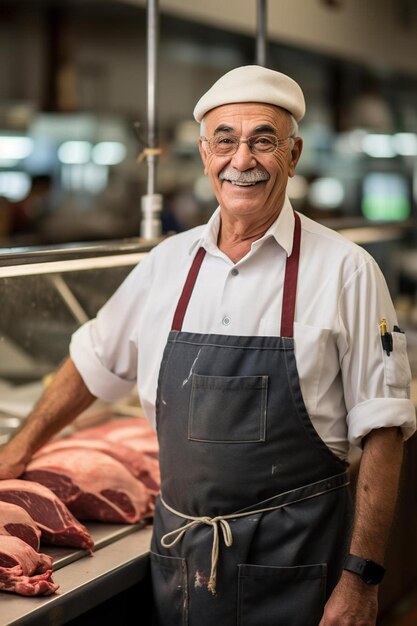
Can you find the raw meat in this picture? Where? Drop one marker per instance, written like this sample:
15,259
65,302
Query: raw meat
140,465
124,430
23,570
56,522
17,522
93,485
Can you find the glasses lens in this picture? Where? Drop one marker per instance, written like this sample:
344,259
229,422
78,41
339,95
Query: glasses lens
262,144
224,145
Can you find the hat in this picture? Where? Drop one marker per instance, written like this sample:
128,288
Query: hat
253,83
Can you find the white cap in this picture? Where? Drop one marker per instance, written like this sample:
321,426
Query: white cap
253,83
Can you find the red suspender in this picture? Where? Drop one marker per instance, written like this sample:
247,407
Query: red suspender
290,283
187,290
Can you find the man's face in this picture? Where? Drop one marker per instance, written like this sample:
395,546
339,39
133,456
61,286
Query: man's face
271,170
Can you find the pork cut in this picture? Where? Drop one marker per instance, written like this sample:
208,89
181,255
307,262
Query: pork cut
14,520
92,484
23,570
56,523
142,466
124,430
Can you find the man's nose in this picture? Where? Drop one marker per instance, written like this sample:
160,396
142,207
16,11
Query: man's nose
243,158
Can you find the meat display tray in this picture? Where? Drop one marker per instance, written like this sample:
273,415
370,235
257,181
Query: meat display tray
120,560
102,533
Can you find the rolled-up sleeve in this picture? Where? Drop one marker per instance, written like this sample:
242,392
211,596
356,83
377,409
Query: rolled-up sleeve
376,383
100,380
379,413
104,349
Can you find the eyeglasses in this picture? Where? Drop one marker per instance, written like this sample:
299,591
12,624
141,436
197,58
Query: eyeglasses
228,145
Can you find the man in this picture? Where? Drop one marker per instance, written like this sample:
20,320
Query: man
256,342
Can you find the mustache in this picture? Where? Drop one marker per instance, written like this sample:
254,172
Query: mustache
251,176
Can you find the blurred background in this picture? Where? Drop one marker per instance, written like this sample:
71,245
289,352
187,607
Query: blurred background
73,110
73,117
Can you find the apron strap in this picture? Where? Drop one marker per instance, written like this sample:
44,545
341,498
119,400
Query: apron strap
187,290
289,294
290,283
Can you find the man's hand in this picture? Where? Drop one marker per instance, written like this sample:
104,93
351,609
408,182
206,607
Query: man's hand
352,603
12,464
65,398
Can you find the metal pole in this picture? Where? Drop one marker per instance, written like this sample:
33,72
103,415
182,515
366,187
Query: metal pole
261,32
152,202
152,54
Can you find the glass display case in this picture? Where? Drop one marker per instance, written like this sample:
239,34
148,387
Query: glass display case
46,294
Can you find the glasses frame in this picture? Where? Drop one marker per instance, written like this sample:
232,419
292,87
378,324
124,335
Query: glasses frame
248,141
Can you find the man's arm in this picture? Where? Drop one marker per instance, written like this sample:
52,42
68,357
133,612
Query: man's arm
353,602
65,398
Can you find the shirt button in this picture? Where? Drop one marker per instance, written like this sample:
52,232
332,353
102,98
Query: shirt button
234,271
226,320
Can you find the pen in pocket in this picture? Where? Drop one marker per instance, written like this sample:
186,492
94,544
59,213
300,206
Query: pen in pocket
386,337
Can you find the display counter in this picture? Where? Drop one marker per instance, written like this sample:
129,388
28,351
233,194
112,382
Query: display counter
119,562
46,294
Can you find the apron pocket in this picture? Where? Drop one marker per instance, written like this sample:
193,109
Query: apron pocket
170,590
230,409
281,596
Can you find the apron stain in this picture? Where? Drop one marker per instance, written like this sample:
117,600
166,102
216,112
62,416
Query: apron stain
200,580
185,381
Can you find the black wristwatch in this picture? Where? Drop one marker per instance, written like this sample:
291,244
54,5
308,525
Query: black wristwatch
371,573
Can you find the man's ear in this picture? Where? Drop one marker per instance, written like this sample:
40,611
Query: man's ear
203,153
295,155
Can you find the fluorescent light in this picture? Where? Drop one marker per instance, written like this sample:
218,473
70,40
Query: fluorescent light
109,153
15,148
14,185
326,193
379,146
350,142
75,152
405,144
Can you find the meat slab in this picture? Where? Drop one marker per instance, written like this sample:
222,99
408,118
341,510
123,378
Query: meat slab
56,523
124,430
23,570
14,520
92,484
142,466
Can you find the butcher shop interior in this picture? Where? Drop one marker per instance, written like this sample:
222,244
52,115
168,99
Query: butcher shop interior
99,164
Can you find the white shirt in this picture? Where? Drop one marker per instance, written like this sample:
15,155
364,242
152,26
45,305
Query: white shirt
349,384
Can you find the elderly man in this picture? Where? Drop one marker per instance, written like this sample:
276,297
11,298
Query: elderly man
256,344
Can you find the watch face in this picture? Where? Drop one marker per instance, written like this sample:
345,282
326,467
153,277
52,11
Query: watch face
372,573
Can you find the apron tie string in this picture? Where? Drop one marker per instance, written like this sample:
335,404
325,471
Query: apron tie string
178,533
323,486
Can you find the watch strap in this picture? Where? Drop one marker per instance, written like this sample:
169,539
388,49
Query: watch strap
370,572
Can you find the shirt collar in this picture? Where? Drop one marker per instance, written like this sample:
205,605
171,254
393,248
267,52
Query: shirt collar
282,230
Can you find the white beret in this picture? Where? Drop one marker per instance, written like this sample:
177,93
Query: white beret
253,83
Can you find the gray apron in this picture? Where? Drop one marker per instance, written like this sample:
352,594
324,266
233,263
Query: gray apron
254,516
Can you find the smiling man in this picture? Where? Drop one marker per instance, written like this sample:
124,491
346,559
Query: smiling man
249,176
256,347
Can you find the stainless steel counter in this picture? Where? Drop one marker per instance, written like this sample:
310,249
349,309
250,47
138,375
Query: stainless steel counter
119,561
